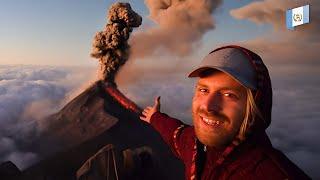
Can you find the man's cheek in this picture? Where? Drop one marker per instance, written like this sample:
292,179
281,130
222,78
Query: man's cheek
233,110
194,105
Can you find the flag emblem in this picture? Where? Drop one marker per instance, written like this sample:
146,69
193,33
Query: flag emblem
297,16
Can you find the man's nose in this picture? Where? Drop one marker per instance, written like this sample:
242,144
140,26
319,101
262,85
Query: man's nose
213,103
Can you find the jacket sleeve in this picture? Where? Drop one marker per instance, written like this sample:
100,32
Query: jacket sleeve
170,130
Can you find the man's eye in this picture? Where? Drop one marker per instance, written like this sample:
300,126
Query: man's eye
230,95
203,90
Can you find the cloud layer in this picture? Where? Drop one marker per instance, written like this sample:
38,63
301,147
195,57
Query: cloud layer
27,94
295,116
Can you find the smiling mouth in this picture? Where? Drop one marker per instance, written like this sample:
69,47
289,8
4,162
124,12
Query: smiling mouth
211,122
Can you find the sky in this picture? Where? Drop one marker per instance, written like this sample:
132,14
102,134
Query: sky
44,32
45,62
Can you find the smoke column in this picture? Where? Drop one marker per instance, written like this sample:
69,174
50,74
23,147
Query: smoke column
180,26
110,46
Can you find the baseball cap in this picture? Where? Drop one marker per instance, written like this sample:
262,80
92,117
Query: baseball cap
232,61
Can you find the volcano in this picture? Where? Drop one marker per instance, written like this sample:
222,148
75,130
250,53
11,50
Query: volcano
99,116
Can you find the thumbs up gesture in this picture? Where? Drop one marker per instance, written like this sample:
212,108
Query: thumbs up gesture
150,110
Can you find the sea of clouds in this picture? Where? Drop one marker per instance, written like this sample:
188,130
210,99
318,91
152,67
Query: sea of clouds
29,93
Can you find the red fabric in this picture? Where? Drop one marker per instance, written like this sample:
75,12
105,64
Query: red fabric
253,159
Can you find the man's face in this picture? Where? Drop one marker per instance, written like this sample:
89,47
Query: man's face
218,109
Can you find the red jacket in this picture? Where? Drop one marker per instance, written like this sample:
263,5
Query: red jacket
253,159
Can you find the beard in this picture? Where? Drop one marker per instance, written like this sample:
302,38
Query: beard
217,137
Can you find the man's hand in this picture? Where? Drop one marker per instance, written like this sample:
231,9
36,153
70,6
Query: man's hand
149,111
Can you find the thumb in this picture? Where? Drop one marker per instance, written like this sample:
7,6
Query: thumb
157,103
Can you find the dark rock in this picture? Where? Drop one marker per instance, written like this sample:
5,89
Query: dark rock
8,170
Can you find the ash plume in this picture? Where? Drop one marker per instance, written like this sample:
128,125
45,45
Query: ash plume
110,46
180,26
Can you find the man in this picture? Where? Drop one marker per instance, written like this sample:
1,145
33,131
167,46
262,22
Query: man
231,109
